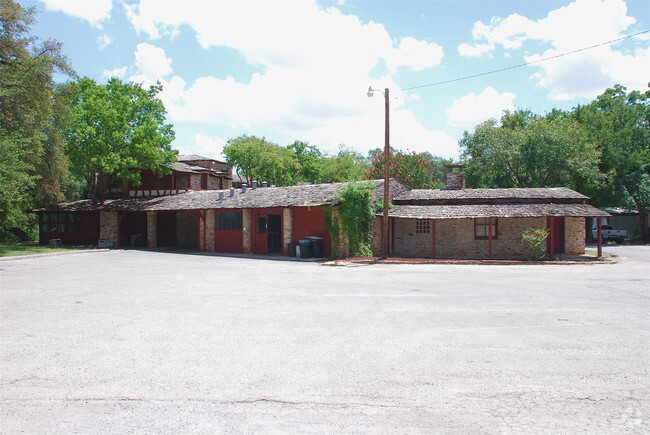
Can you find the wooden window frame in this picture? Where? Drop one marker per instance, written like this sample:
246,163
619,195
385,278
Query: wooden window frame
229,220
422,226
493,226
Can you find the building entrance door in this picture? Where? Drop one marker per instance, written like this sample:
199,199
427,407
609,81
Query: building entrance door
267,229
274,234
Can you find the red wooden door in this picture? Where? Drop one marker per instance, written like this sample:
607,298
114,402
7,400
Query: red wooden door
556,238
267,231
260,224
229,234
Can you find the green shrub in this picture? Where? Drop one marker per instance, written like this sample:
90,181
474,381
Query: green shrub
535,239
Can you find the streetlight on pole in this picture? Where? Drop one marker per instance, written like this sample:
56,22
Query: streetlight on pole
384,222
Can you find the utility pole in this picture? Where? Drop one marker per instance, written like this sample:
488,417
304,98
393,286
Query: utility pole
384,225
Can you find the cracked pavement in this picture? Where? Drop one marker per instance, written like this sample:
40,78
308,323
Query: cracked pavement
154,342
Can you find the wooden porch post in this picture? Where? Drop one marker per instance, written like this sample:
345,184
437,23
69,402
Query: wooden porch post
599,236
433,238
489,229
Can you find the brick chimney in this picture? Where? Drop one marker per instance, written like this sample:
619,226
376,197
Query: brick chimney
455,180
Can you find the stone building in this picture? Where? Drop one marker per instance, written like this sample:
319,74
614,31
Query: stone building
439,223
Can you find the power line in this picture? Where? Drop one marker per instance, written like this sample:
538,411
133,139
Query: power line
524,64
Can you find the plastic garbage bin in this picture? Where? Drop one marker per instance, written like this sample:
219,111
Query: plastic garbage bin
317,246
305,248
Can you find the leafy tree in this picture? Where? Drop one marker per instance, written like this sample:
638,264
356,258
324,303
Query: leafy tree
33,170
116,130
258,159
618,122
416,170
527,150
308,158
346,165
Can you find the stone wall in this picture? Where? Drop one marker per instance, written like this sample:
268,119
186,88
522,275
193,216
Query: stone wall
195,181
187,230
210,225
375,238
287,229
455,238
152,229
108,226
574,235
409,243
247,230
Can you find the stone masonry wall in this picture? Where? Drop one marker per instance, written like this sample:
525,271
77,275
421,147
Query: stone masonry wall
210,217
408,243
152,229
108,226
375,238
247,231
187,231
287,229
195,181
455,238
574,235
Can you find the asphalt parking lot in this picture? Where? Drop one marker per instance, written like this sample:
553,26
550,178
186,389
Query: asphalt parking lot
153,342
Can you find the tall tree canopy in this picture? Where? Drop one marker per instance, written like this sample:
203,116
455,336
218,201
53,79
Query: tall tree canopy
346,165
618,123
116,130
528,150
32,167
258,159
416,170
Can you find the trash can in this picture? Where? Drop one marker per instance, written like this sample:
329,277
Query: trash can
291,249
317,246
305,248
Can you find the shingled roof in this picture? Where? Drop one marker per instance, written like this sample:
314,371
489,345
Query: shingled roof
194,157
471,211
263,197
185,168
548,193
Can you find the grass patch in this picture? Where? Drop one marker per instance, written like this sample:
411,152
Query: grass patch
15,249
594,252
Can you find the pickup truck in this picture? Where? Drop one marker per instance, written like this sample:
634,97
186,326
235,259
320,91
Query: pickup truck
610,234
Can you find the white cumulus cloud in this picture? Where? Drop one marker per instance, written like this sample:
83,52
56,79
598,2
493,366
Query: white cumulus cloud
416,55
151,63
314,69
472,109
580,24
117,72
92,11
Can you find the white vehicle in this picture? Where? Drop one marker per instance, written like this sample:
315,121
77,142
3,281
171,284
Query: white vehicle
609,234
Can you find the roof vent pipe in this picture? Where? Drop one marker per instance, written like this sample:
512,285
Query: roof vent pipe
254,184
265,184
232,192
220,196
244,187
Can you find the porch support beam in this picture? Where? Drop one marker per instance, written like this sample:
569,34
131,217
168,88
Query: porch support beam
599,237
489,229
433,238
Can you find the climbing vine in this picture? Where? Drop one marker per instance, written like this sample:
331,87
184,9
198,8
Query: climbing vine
356,211
334,230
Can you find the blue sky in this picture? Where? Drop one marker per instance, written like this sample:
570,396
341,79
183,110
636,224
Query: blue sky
300,69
